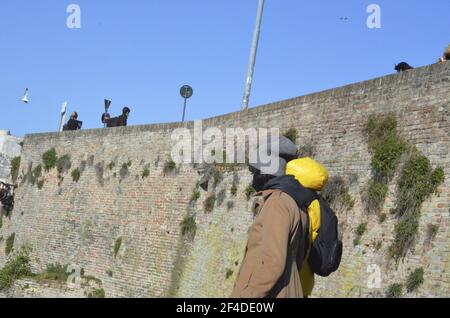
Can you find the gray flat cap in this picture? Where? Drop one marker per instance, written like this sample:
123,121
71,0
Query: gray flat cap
277,164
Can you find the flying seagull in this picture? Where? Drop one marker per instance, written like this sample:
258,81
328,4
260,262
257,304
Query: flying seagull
25,96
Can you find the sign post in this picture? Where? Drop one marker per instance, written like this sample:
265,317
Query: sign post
186,92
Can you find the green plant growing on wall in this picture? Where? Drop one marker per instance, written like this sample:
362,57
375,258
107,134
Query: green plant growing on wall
360,230
195,195
54,272
376,195
76,174
117,246
233,189
169,167
337,194
437,178
63,164
384,143
111,165
97,293
229,273
414,280
291,134
36,173
145,173
394,291
249,191
49,159
386,148
405,233
9,246
432,231
15,166
210,203
188,227
377,245
416,183
16,268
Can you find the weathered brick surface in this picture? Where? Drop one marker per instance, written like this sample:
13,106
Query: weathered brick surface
79,222
9,148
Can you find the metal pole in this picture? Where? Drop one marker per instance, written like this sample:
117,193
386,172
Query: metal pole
184,109
251,66
63,116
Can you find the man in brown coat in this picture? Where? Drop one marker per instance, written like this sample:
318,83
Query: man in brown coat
277,238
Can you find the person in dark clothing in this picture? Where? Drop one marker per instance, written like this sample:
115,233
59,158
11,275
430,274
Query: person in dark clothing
123,118
402,67
276,242
119,121
73,123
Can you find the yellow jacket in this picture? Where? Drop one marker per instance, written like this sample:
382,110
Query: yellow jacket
311,175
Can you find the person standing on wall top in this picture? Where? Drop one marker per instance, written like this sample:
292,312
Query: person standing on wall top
73,123
123,118
119,121
277,239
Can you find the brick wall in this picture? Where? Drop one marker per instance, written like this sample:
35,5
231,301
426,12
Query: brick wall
9,148
78,222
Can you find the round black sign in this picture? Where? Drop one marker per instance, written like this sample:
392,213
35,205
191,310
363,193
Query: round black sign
186,91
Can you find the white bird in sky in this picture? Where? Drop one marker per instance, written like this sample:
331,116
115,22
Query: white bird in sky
25,96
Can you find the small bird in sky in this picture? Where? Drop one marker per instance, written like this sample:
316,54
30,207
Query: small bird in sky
344,18
25,96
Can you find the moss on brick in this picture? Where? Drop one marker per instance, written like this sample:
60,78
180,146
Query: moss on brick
9,246
291,134
15,166
417,182
169,167
117,246
209,203
76,174
97,293
49,158
188,227
16,268
414,280
394,291
145,173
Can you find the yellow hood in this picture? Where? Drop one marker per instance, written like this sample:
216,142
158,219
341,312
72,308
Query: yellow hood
308,172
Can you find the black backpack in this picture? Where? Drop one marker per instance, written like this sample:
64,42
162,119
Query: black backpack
326,252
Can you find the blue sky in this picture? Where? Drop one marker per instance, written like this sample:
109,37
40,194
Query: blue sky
140,52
